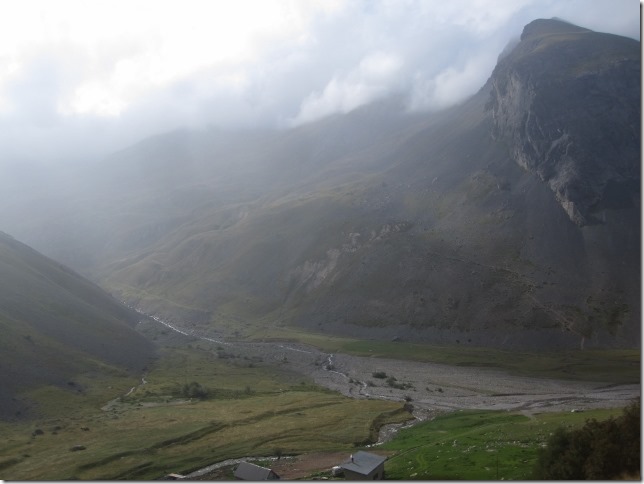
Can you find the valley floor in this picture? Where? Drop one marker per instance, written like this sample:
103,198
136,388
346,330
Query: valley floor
432,387
437,387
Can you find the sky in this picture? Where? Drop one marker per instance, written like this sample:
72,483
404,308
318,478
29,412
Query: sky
80,79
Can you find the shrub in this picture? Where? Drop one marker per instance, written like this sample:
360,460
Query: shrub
393,383
599,450
194,390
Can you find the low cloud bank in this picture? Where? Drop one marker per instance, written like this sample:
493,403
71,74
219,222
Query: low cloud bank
80,82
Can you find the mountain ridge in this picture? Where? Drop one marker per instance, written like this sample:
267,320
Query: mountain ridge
456,227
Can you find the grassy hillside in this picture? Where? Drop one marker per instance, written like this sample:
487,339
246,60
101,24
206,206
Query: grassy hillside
451,242
56,328
468,445
249,410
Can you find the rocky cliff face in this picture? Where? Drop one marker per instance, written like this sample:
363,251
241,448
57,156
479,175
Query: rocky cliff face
566,100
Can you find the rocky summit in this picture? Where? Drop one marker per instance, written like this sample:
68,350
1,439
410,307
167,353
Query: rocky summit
567,102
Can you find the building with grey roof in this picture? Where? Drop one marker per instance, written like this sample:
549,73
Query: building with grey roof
364,465
246,471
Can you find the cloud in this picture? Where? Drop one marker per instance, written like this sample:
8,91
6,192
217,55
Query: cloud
371,79
79,79
450,86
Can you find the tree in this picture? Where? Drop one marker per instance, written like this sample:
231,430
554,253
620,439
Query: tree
599,450
194,390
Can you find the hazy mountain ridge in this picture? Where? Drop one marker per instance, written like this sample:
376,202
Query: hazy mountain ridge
57,325
381,224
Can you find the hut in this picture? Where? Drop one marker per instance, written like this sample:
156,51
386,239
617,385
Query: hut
364,466
246,471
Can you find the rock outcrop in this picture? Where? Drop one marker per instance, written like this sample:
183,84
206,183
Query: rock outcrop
566,100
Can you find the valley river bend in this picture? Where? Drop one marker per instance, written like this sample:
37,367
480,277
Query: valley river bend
429,387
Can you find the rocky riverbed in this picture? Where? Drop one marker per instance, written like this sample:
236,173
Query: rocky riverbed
429,387
433,386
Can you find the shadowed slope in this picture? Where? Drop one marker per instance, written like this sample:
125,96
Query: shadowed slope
56,325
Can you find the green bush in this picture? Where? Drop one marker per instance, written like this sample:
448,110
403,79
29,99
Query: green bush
194,390
599,450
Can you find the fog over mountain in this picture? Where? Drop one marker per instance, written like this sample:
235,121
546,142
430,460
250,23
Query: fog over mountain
81,80
281,231
510,220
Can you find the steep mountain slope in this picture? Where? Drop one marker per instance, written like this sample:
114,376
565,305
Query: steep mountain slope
56,325
511,220
87,215
567,100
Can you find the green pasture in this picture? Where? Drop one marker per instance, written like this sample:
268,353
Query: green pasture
475,445
250,411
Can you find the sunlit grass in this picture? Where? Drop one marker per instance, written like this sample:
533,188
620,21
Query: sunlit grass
468,445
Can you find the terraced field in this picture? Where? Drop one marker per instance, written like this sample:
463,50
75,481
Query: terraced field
248,409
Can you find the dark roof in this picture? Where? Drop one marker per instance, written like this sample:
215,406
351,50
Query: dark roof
251,472
363,462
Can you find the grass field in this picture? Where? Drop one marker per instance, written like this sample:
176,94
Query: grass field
612,366
468,445
251,411
120,428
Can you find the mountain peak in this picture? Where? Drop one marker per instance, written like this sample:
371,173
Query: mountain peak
540,27
566,100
